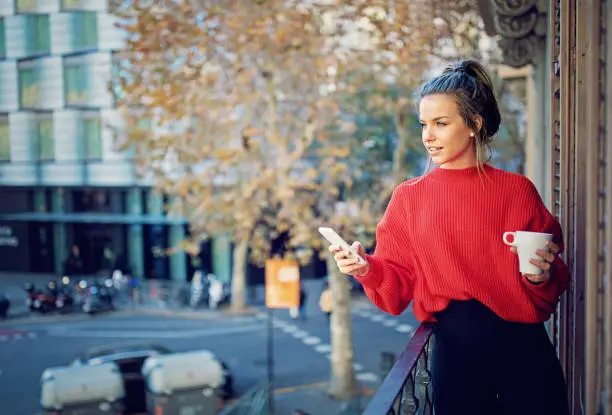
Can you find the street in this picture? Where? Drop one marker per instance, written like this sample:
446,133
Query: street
301,348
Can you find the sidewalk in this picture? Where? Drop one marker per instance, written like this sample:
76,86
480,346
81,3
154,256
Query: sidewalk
310,399
13,285
314,400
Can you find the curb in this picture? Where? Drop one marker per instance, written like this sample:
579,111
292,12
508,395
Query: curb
194,314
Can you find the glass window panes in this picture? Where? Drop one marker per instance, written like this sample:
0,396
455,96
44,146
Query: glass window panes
46,142
75,84
5,139
92,130
71,4
26,5
2,40
29,87
84,30
38,37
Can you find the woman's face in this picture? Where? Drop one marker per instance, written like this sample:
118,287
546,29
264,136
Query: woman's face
446,137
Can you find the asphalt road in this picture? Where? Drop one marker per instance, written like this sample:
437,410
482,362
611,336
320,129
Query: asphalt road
301,348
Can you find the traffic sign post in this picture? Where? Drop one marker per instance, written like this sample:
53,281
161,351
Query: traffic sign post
282,291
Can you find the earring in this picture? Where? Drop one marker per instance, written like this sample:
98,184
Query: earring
472,135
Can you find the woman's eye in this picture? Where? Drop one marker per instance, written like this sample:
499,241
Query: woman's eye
440,124
422,125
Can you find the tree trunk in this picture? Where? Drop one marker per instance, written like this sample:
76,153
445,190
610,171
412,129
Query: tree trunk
342,383
399,156
239,267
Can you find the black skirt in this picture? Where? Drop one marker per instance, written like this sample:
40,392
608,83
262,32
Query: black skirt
482,364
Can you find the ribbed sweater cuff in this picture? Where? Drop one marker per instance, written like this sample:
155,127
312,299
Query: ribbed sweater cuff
374,277
541,284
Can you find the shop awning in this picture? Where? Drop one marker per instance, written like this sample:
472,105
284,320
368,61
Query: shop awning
94,218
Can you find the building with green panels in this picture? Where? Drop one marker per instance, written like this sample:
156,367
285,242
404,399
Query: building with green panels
62,183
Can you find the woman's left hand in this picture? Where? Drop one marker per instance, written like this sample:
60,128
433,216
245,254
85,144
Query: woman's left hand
544,263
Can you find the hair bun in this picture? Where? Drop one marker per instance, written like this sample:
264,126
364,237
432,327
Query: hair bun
466,66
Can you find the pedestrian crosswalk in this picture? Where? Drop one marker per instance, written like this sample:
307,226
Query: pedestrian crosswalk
14,335
138,329
318,345
374,315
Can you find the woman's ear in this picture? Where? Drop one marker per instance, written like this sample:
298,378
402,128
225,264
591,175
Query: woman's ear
478,121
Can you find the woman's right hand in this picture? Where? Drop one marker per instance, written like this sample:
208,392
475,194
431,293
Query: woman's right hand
350,266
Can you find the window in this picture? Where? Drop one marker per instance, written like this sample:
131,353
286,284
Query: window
5,139
38,37
45,139
26,5
71,4
76,82
30,85
84,27
91,133
2,40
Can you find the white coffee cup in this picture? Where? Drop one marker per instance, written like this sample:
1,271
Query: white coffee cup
527,243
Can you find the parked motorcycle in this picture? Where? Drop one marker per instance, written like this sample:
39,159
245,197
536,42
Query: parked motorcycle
65,295
48,299
98,298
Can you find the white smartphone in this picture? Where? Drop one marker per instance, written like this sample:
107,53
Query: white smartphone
335,239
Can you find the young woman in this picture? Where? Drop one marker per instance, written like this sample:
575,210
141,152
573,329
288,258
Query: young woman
439,246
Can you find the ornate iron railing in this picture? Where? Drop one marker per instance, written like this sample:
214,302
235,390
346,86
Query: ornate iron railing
406,389
254,402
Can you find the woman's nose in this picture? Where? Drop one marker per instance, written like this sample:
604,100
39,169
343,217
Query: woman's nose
427,137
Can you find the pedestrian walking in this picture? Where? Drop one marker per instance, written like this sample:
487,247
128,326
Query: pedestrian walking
326,301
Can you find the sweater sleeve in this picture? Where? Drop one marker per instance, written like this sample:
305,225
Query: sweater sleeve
389,282
546,295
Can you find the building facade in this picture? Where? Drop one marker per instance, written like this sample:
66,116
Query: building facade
568,46
62,182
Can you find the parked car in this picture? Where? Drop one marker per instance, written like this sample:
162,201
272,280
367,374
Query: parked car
130,359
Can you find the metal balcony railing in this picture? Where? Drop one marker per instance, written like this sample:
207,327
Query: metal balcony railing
407,389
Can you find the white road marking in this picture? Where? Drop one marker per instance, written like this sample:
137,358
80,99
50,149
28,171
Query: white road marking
366,377
311,341
144,334
300,334
323,348
404,328
377,318
389,323
358,366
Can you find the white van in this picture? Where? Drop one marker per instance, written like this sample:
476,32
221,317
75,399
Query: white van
72,389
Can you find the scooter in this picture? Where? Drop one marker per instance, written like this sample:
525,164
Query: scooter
98,299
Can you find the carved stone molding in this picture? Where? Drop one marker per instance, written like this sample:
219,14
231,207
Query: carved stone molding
522,25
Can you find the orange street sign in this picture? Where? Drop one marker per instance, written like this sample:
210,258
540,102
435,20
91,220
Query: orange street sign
282,283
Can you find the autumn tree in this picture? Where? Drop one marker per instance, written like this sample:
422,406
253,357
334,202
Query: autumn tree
388,46
235,109
236,93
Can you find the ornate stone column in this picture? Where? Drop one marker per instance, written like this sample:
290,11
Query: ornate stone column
522,26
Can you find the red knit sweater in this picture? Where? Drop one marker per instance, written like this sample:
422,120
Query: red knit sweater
441,239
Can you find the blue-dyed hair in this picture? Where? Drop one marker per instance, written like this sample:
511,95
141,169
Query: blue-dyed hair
468,82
